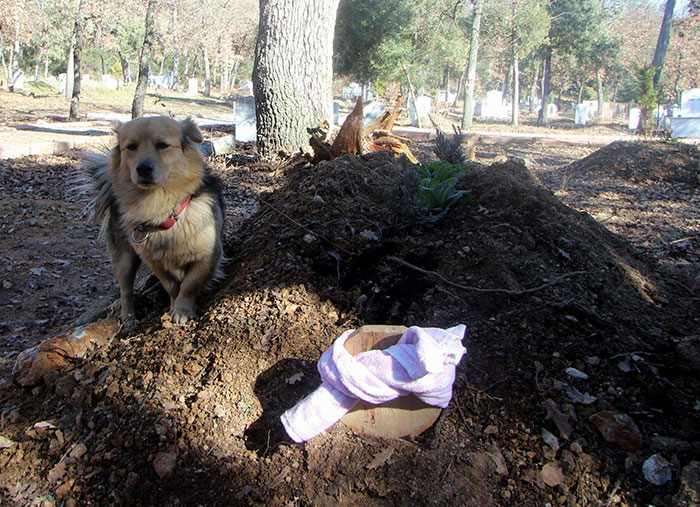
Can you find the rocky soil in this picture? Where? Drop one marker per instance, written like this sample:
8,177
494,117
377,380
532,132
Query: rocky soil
575,272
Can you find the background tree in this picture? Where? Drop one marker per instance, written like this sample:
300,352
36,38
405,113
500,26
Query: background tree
470,71
293,71
662,43
77,50
144,60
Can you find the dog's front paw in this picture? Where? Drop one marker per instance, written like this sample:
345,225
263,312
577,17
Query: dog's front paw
180,315
129,321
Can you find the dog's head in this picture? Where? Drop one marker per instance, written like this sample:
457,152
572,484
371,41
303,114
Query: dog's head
158,151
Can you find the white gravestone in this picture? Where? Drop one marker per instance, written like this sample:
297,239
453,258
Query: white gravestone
371,111
690,103
62,83
18,80
109,82
493,107
552,110
421,110
352,91
635,115
245,88
192,86
244,118
581,114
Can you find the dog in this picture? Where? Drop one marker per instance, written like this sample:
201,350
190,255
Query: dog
159,203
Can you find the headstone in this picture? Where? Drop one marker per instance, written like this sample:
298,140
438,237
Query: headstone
552,110
62,83
336,113
581,114
592,108
606,113
352,91
690,103
246,88
493,106
18,80
192,86
244,117
109,82
371,111
635,115
420,111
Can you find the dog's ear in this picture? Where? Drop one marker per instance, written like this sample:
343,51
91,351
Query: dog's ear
190,131
117,126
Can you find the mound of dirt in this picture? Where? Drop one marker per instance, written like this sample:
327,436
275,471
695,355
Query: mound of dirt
189,415
640,162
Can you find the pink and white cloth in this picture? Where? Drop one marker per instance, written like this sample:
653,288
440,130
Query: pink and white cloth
422,363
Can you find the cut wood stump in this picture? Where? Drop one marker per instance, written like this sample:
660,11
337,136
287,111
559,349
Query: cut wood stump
404,416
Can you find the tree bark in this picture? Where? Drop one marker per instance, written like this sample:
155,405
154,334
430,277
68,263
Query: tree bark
292,73
70,69
144,59
542,119
77,50
601,98
38,60
176,53
533,87
468,114
207,73
516,90
662,41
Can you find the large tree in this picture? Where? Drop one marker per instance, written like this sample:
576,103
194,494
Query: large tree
77,72
468,113
144,61
662,42
293,71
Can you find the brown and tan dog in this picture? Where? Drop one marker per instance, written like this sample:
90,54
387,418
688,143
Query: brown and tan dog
158,203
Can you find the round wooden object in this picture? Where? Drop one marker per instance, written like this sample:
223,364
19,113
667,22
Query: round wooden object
404,416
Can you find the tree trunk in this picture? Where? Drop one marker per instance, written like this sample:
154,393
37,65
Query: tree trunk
516,89
601,98
46,67
17,53
542,119
187,64
533,87
507,85
176,53
70,69
580,90
144,59
662,41
468,114
232,75
207,73
292,74
460,86
77,50
38,60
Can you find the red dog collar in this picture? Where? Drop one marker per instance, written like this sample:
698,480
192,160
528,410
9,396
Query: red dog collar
174,216
163,226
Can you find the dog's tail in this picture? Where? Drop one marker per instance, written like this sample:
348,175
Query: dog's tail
94,181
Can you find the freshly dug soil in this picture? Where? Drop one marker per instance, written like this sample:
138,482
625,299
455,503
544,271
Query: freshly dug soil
189,415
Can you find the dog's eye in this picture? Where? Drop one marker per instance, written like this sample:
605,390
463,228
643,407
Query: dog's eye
161,145
132,146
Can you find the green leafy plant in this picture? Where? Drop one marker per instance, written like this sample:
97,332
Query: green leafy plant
436,188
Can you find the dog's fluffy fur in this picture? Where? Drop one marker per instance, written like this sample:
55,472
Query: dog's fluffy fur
155,166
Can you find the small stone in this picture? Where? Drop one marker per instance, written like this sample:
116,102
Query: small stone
689,490
309,238
6,443
220,411
619,429
657,470
78,451
164,463
491,429
575,373
64,488
56,473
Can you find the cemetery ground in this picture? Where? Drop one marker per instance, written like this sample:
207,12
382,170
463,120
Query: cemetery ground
564,257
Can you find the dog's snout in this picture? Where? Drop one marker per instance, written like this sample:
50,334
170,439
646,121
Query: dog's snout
145,169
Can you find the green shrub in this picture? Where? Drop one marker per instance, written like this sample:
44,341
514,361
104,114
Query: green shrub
436,188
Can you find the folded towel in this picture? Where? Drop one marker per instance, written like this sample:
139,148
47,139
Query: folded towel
422,362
